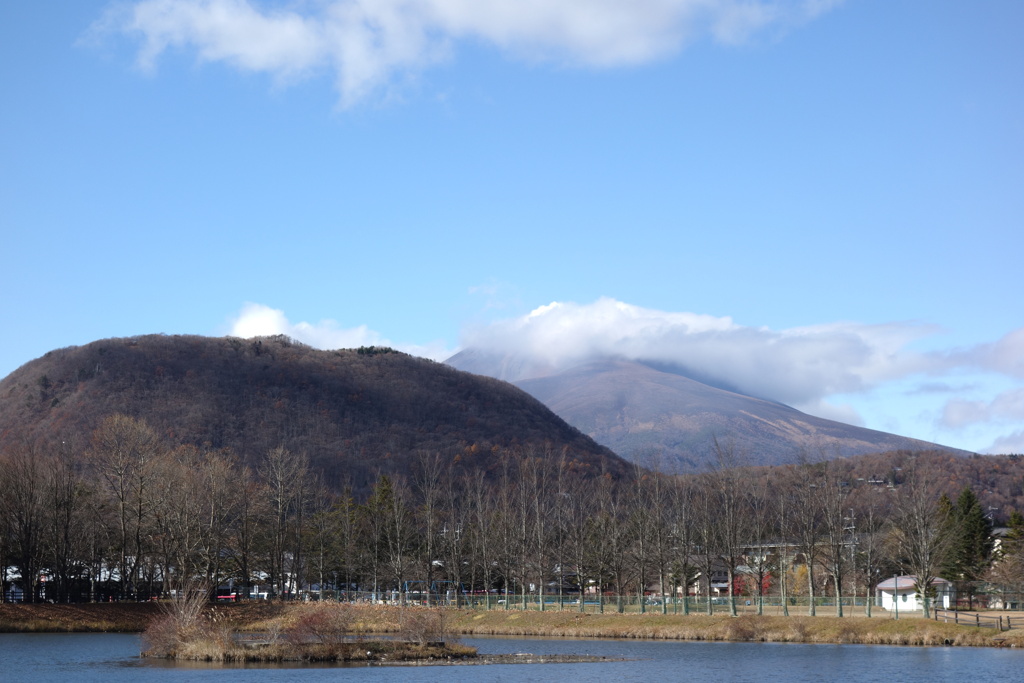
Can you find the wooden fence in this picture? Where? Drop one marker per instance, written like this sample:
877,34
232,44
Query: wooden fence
1003,623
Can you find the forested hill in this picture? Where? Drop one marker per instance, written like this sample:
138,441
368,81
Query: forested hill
353,412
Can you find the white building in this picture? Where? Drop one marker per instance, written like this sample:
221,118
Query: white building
900,593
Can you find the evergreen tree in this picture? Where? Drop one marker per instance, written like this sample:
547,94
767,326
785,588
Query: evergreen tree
1013,542
1008,560
972,545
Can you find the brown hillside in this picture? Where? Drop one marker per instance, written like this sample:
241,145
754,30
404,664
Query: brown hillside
354,413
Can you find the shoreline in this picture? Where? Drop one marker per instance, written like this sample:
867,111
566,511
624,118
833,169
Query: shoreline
257,616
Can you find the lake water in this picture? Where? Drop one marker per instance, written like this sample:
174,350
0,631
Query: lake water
114,657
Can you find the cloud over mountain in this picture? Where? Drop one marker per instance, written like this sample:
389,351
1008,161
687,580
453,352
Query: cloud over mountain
810,368
798,366
814,369
366,43
258,320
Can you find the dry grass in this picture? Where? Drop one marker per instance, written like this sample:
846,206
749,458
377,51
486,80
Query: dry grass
98,617
745,628
361,651
313,632
185,627
275,618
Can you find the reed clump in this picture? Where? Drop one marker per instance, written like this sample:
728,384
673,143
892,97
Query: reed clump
316,632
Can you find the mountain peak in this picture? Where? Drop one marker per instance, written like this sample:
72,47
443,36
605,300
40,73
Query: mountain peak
650,415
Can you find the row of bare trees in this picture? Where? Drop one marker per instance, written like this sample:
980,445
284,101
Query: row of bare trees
126,517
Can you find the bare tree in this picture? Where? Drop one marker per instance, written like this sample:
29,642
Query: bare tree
762,534
870,525
177,498
221,509
650,546
541,523
704,506
613,532
921,535
428,477
731,519
784,525
837,518
456,520
22,504
660,500
346,525
579,514
806,524
682,537
123,455
286,478
67,524
243,536
389,523
485,525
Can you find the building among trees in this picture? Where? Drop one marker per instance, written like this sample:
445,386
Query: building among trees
902,593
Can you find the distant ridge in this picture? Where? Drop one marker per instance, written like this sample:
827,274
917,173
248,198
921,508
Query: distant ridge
658,418
353,412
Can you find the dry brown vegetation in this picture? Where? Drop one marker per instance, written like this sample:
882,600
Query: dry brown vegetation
353,412
276,621
752,628
316,632
103,617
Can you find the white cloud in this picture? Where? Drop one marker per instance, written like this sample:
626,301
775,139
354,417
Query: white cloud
257,320
1004,356
1006,406
799,366
854,373
840,412
1008,443
366,43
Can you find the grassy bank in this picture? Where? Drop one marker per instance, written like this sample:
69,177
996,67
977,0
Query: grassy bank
81,618
272,617
745,628
116,617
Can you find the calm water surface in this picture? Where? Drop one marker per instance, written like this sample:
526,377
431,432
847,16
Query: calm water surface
109,657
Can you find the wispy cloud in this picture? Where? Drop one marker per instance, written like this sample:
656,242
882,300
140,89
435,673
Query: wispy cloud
1008,443
1007,406
367,43
926,388
816,369
819,369
257,320
799,366
1005,356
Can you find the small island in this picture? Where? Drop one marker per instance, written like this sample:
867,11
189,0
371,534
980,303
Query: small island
316,633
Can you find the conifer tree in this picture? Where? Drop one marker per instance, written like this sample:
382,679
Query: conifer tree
971,552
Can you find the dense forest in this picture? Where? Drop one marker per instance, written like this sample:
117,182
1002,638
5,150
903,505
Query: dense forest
125,513
352,413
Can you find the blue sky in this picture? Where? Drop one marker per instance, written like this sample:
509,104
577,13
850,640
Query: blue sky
816,199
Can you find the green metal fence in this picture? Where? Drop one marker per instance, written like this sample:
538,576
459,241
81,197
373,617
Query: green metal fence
632,604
